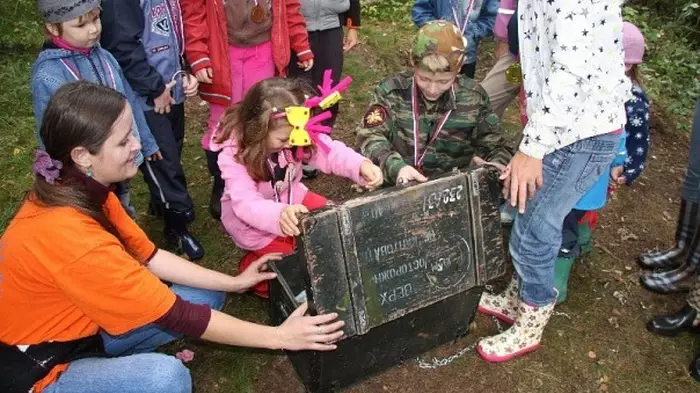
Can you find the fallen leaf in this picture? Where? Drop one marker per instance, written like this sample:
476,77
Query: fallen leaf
591,355
667,216
603,387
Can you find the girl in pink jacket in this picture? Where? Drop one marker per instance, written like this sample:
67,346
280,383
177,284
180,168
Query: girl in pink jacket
262,170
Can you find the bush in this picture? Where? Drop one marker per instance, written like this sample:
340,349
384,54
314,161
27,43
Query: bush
672,60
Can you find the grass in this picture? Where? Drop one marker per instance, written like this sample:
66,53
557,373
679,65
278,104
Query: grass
625,358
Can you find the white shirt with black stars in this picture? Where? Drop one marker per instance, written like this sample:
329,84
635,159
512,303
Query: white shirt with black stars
573,71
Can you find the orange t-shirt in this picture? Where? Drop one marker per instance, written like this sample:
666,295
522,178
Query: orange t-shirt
64,277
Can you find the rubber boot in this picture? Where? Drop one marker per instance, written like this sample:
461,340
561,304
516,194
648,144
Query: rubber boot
522,337
686,228
504,305
585,231
679,279
562,269
217,191
177,235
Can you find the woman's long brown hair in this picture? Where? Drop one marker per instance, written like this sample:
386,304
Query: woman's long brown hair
250,121
78,114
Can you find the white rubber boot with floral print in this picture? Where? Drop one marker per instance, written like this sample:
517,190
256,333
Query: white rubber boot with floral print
504,305
523,337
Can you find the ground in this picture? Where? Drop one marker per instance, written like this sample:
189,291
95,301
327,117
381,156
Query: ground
596,342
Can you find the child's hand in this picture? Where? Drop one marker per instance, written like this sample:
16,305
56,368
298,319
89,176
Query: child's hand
289,223
351,40
481,162
408,173
155,157
205,75
256,273
306,65
162,103
372,174
616,175
191,85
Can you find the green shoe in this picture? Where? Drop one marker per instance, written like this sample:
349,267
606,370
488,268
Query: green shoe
562,268
585,238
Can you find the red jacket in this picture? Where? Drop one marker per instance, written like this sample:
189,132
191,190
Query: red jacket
206,42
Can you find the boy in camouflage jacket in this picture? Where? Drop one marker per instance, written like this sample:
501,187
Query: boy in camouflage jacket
431,120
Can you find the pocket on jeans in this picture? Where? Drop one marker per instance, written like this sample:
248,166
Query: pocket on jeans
595,167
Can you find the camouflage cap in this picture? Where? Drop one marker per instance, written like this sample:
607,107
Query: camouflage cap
440,38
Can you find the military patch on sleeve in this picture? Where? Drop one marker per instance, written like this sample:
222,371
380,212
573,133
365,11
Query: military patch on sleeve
375,116
492,119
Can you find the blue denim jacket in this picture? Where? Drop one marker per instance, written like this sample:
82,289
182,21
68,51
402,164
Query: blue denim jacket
480,24
55,67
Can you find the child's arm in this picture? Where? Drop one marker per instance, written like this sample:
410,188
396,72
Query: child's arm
122,29
487,138
340,160
373,138
194,18
247,203
44,85
482,26
351,18
149,146
637,130
423,11
298,35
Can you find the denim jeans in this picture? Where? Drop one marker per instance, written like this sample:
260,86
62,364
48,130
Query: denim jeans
136,369
691,186
536,237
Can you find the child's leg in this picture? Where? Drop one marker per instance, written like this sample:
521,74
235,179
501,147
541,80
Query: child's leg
282,244
327,46
567,254
167,183
258,66
122,192
586,225
501,92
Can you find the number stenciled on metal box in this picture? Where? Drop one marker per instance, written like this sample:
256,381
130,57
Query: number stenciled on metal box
446,196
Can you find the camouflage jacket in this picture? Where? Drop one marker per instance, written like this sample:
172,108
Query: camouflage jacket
386,133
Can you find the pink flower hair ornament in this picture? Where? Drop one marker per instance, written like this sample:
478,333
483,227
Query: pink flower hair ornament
46,166
306,129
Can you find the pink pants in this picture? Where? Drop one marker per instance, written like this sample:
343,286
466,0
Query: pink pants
248,67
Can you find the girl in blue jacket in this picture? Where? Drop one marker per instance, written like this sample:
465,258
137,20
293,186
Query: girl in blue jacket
72,52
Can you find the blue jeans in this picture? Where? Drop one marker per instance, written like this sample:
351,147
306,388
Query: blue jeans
136,369
536,237
691,185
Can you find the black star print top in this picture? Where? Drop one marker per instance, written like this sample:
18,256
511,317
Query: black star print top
573,71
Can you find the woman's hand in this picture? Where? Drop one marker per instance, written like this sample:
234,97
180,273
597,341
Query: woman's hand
256,273
289,222
481,162
316,333
371,174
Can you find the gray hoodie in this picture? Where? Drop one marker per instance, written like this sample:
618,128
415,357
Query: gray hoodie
323,14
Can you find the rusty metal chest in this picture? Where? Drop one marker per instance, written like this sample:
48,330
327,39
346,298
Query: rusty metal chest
403,267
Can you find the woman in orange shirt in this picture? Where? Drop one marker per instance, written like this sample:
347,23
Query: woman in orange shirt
82,302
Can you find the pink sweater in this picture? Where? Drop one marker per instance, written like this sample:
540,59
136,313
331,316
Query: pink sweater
249,211
505,11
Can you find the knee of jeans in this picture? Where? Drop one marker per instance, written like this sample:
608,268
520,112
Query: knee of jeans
167,374
217,300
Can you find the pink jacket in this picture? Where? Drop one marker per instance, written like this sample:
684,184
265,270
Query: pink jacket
249,211
505,11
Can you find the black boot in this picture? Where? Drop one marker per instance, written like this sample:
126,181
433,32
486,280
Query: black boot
672,325
686,227
217,191
308,172
695,368
155,209
177,235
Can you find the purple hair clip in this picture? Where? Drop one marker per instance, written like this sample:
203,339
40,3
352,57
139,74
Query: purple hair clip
46,166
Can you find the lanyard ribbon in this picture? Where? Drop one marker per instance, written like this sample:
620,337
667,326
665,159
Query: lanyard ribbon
418,160
76,74
273,182
466,16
